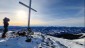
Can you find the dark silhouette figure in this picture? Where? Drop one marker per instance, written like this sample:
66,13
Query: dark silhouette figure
6,24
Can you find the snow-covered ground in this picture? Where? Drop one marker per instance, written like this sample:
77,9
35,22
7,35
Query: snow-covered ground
39,41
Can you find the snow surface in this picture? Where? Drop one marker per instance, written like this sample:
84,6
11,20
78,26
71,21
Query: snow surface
38,41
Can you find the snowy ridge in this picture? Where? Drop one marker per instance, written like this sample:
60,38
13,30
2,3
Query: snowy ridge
38,41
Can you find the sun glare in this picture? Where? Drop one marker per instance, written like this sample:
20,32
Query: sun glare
21,15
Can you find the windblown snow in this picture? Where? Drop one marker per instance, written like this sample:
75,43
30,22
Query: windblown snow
39,41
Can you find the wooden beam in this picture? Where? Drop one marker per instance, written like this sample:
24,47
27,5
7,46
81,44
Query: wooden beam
27,6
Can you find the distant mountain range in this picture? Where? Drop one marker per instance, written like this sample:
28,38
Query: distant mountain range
61,32
50,29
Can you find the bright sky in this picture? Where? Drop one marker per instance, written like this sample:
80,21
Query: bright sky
50,12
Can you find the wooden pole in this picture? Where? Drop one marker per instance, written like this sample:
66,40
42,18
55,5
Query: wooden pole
29,14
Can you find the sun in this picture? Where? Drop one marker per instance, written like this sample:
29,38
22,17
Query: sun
21,15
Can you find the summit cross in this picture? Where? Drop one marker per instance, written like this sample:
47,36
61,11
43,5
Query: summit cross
30,2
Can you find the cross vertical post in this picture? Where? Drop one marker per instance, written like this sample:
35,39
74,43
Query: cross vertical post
29,13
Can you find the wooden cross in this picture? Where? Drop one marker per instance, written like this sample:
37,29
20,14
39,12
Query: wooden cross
29,29
29,11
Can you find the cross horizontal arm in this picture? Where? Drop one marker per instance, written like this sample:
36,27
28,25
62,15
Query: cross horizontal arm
27,6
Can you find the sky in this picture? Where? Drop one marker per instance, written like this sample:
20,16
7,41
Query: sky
49,12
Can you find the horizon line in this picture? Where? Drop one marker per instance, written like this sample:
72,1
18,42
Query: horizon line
46,26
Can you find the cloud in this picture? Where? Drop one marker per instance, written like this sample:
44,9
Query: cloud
50,12
65,22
